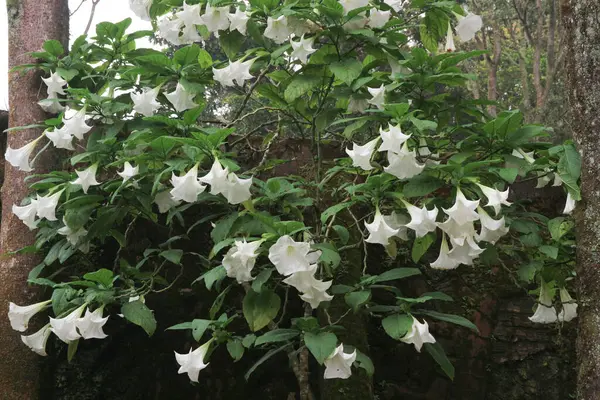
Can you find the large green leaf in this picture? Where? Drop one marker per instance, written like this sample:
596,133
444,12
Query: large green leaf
321,345
300,85
397,325
138,313
346,70
439,355
260,308
278,335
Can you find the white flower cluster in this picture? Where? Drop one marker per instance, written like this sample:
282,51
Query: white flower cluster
545,312
188,186
69,328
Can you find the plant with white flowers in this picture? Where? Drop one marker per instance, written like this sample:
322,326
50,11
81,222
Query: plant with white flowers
413,172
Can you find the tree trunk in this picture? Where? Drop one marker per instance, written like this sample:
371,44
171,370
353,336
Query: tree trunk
31,22
580,19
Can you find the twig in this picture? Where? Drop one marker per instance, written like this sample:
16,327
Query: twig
92,12
78,7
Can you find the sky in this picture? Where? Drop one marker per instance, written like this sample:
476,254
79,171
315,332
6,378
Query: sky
106,10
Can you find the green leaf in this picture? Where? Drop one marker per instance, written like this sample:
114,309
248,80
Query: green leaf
72,349
527,272
231,42
333,210
559,227
321,345
453,319
54,47
216,274
423,125
342,233
235,349
173,255
396,273
397,325
249,340
439,355
550,251
421,185
508,174
139,314
363,361
329,254
205,59
306,324
356,299
218,303
421,245
261,279
277,335
103,276
260,308
300,85
199,326
346,70
187,55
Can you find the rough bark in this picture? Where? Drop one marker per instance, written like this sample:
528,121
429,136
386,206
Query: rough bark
31,22
580,18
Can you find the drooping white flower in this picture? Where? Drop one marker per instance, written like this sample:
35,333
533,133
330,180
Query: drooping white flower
237,190
145,103
557,180
404,164
350,5
302,49
361,155
378,96
495,197
74,123
418,335
73,237
491,230
141,8
129,171
378,18
19,158
379,231
450,47
193,362
463,210
298,26
216,178
60,138
422,220
189,35
357,22
51,104
187,187
90,325
570,204
569,306
392,139
338,364
87,178
398,222
216,18
313,290
27,214
55,84
520,153
46,206
190,15
444,261
237,71
181,99
66,328
289,256
544,178
467,252
169,29
277,29
19,316
37,341
456,232
545,313
164,201
238,21
240,259
468,26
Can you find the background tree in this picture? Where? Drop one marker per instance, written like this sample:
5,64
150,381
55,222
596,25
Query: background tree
31,23
581,19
